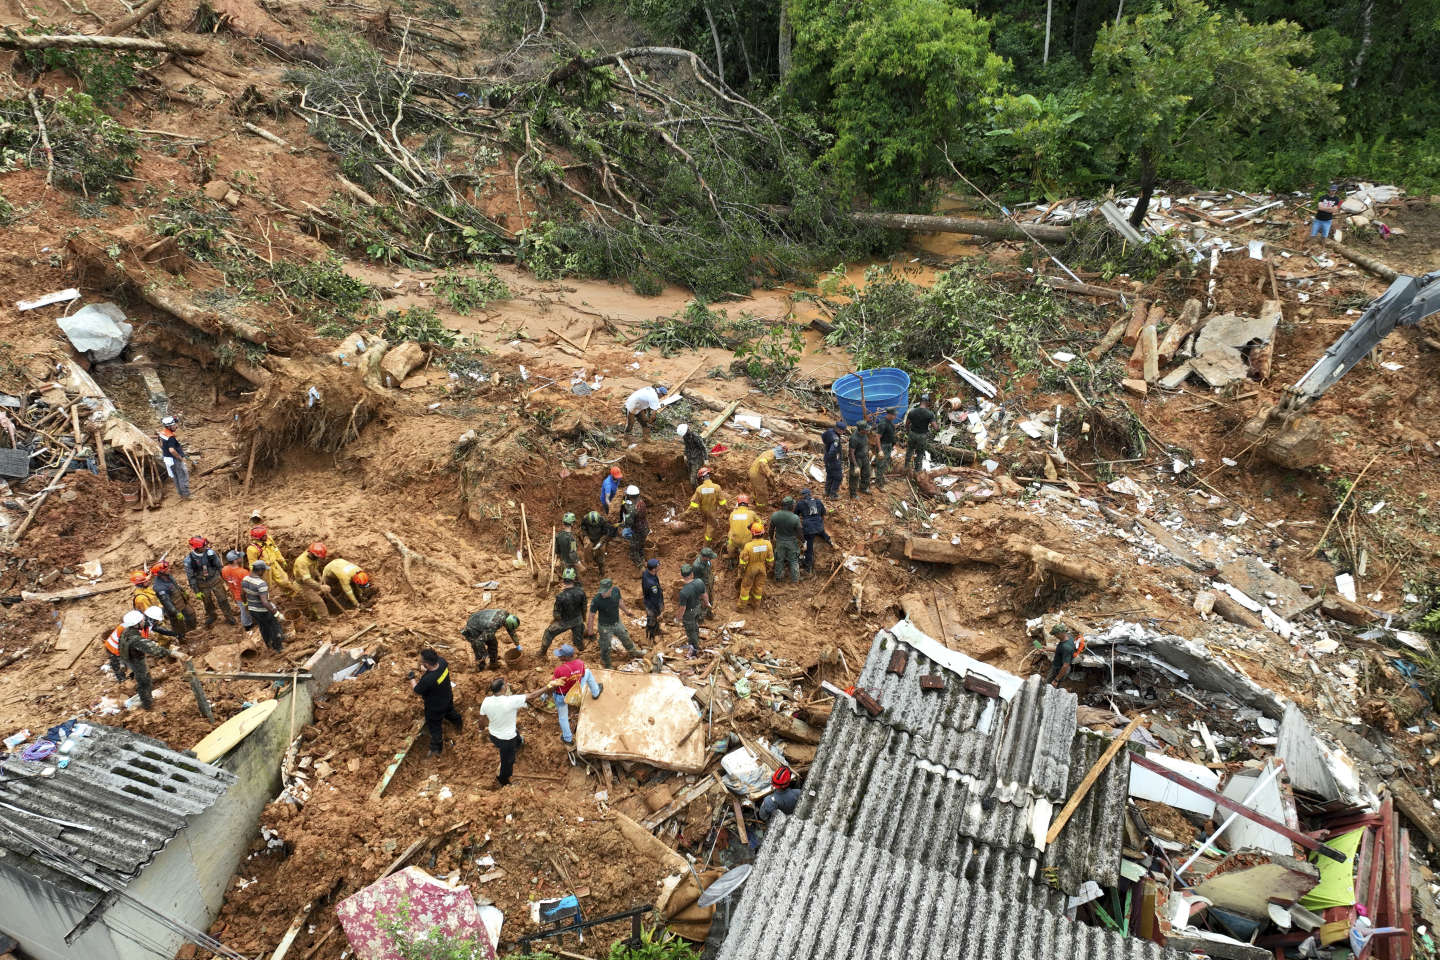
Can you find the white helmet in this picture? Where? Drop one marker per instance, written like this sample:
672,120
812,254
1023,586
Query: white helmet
632,491
154,613
167,421
132,618
683,429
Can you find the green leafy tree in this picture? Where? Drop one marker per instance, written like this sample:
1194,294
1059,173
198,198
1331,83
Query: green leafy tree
892,81
1186,82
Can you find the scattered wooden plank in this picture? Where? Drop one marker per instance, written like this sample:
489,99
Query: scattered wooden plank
76,593
686,797
389,774
740,820
719,421
1071,805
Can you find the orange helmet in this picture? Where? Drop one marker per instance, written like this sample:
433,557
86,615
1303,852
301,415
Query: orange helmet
139,577
317,550
259,533
703,472
361,579
742,500
162,567
757,528
615,472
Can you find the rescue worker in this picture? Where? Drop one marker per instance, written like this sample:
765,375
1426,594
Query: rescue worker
202,572
133,647
832,441
708,498
918,424
174,456
309,578
741,519
566,549
255,594
785,527
1065,653
694,602
435,691
568,614
572,670
641,406
811,511
885,438
353,582
605,624
144,595
501,710
635,517
784,797
704,570
653,596
762,474
754,558
172,598
262,547
151,626
859,457
609,487
233,574
696,453
112,647
481,630
598,531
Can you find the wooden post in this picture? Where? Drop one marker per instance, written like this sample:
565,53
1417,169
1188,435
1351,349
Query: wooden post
104,468
199,691
1068,810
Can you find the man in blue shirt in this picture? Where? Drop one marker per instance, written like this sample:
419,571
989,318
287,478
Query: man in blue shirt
609,487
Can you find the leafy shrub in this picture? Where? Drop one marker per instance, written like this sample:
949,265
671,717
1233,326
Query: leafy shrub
419,324
106,75
90,149
467,292
196,222
697,327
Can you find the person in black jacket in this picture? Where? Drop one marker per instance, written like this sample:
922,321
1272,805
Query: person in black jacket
433,688
811,510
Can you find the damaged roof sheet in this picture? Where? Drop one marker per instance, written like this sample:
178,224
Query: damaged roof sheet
119,802
816,894
966,783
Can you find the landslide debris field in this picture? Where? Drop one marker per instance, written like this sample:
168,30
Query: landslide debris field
248,262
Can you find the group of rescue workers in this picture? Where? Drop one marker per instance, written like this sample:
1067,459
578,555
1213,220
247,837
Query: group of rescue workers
162,612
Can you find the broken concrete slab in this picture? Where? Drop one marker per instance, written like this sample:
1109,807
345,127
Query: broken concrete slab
1220,367
1136,386
1236,332
1173,379
1247,883
1261,584
642,717
1173,546
1271,800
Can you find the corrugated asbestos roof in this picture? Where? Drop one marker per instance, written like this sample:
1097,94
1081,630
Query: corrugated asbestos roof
916,836
817,894
959,780
119,802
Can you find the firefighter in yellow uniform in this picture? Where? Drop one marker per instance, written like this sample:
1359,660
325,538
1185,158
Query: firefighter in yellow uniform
762,474
262,547
708,498
308,573
740,520
145,596
354,583
755,557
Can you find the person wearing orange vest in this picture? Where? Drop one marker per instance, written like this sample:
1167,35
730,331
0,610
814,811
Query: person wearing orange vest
755,557
708,498
233,573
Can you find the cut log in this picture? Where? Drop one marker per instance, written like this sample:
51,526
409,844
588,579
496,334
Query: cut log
990,229
1183,326
1369,264
77,41
1112,337
1229,610
1149,354
1417,810
719,421
399,362
1086,289
1337,607
116,27
1048,562
1138,316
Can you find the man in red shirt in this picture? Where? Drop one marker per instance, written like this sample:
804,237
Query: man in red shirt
232,573
572,670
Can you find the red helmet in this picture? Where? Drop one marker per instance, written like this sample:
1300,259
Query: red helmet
781,778
742,500
615,472
361,579
259,533
317,550
162,567
703,472
198,543
139,577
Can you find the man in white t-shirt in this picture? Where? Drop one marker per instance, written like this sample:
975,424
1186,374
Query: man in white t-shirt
501,710
641,406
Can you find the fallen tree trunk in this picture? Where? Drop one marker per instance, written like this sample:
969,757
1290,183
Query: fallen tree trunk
1043,561
1369,264
1085,289
79,41
116,27
934,223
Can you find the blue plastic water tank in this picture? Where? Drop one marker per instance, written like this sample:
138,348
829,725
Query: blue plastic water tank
884,387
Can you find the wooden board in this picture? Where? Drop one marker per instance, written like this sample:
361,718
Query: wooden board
224,738
641,717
